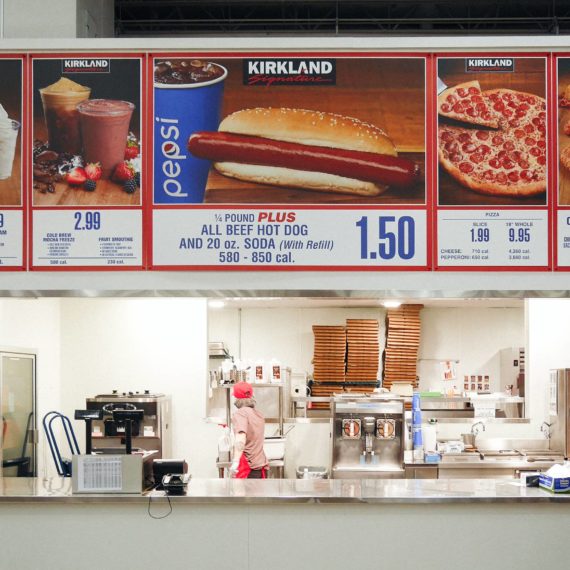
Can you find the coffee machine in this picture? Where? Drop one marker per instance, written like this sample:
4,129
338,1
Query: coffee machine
368,437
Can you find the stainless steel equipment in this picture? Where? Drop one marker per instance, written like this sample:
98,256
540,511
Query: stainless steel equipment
368,437
152,433
559,406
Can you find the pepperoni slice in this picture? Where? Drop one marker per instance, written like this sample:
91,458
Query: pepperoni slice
484,149
477,157
482,135
456,157
464,137
466,167
471,112
458,107
536,121
462,92
508,164
499,106
487,116
447,136
507,113
542,115
514,176
451,98
502,154
526,175
541,143
541,160
519,133
495,163
488,175
468,147
501,178
474,91
509,145
498,140
451,146
535,151
524,163
529,141
529,128
524,106
445,108
477,99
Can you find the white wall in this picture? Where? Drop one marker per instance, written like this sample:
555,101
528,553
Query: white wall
95,18
473,336
34,324
137,344
39,19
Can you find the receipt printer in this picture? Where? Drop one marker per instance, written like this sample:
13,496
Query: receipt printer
175,483
162,467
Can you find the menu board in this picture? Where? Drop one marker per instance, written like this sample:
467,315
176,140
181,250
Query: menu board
290,161
12,203
86,162
562,170
492,176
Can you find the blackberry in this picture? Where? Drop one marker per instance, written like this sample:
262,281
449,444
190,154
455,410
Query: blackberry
130,186
90,185
138,179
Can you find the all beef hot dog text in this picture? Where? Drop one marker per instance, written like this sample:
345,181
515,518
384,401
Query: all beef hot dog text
304,149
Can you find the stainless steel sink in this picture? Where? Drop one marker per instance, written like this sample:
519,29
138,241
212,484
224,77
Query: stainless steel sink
460,458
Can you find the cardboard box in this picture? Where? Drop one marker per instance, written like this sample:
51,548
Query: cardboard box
554,484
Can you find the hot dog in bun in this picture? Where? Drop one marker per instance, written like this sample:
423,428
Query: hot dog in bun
304,149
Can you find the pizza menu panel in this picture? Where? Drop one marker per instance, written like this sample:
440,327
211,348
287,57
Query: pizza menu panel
12,199
285,161
492,175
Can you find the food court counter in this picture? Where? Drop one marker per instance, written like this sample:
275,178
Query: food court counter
280,524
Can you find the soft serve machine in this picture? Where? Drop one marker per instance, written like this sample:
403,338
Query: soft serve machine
368,437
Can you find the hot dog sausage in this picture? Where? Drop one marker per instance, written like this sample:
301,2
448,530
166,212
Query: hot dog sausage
367,166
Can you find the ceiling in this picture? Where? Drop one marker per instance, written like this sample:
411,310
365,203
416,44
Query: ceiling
152,18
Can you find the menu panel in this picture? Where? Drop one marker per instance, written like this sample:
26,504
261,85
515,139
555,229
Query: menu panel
12,203
289,161
86,160
492,177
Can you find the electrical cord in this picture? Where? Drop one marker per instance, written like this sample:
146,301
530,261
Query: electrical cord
161,516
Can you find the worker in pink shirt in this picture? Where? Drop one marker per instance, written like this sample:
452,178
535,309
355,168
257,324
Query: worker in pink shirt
249,460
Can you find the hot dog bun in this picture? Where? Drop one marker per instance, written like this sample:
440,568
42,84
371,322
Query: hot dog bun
306,127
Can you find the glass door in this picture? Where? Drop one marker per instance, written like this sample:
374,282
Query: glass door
18,407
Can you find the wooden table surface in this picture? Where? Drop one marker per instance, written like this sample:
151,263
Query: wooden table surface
529,77
386,93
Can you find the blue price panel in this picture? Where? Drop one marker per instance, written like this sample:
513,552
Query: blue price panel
489,238
84,238
296,238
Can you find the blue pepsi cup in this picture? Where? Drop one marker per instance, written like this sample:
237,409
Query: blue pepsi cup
181,109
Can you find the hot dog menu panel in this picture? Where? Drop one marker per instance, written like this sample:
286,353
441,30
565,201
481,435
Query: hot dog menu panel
86,167
492,178
291,161
12,203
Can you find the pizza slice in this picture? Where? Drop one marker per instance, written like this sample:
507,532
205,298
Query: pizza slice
495,163
466,103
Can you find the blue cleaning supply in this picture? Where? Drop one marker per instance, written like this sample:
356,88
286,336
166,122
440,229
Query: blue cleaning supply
417,441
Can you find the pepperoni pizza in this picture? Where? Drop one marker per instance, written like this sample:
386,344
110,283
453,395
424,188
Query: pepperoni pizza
507,161
465,102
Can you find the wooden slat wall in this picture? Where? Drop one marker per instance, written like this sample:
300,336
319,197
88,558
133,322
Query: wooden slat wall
402,345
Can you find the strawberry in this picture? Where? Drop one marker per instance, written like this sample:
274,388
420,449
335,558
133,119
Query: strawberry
123,171
132,150
93,171
76,177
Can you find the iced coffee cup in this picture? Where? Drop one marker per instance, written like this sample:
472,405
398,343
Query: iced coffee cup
188,96
60,102
104,130
8,137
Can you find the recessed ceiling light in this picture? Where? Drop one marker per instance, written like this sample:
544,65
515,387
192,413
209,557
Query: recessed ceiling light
392,304
216,304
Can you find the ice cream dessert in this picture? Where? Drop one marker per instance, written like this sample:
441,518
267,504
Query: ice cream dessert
60,100
8,136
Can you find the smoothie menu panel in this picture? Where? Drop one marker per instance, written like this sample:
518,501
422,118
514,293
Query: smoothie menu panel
86,132
292,133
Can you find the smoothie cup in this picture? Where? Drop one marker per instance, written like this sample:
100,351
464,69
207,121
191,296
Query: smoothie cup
8,137
60,102
181,109
104,131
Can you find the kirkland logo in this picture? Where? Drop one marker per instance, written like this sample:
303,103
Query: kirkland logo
268,72
489,64
86,65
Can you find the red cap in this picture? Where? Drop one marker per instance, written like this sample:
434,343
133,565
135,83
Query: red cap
243,390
